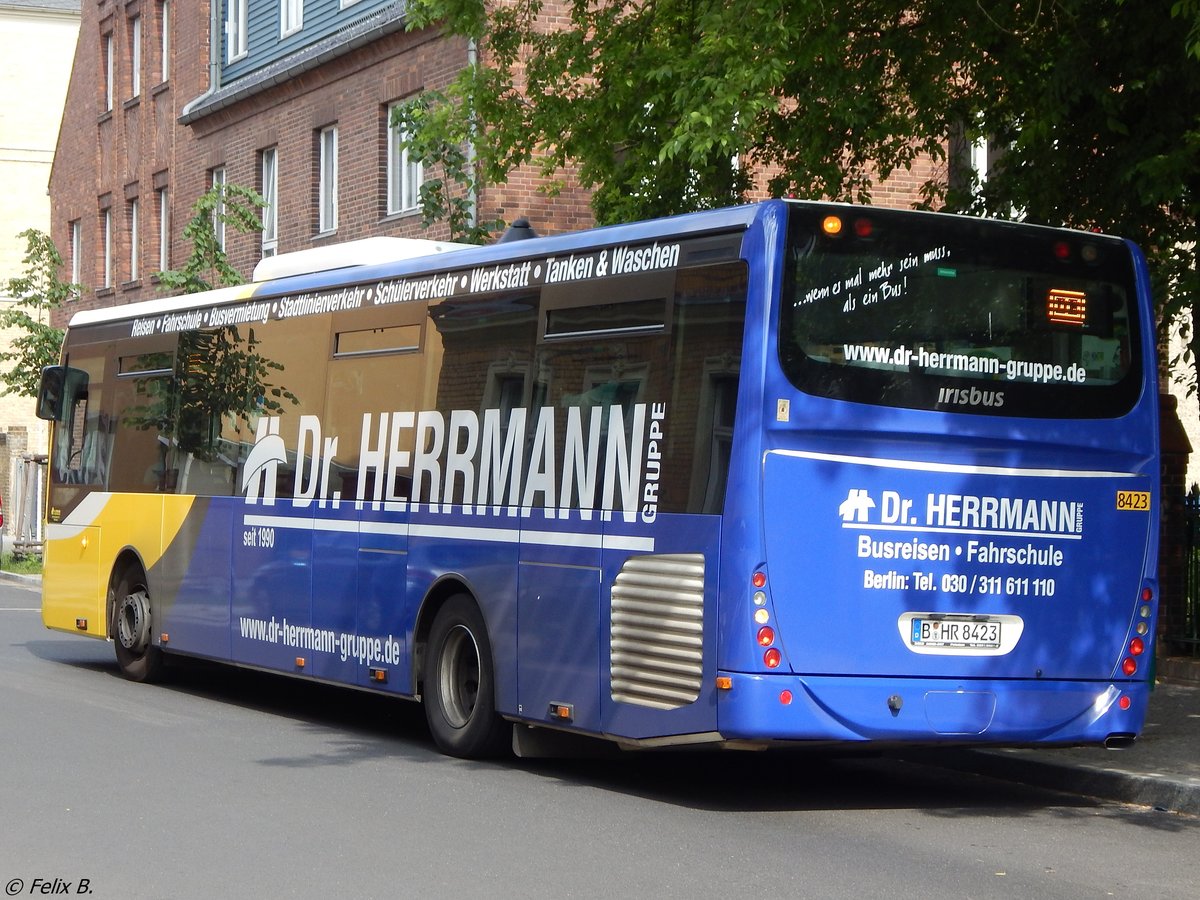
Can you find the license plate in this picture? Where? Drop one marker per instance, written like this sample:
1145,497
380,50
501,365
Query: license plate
980,633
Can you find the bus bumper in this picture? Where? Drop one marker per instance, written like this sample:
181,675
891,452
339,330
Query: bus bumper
929,711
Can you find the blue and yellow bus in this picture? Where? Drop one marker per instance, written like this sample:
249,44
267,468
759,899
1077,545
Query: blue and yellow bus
776,474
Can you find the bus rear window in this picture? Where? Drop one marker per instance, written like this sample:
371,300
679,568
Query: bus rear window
957,314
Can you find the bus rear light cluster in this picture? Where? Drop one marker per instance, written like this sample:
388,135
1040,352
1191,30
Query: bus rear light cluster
1137,646
765,636
1125,702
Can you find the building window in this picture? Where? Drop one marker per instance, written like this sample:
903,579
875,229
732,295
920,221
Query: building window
164,230
135,56
76,252
164,19
109,68
135,263
291,16
218,182
106,227
235,30
404,176
270,193
327,193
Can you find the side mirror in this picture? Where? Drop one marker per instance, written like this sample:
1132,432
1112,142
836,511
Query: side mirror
59,383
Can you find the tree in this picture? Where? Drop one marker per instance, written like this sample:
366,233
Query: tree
220,376
36,295
669,105
231,206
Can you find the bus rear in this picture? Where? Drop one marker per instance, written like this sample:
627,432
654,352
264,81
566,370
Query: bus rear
954,462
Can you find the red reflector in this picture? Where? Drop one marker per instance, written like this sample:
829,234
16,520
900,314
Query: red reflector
1062,250
1125,702
766,636
772,658
863,227
759,579
1137,646
1129,667
785,697
1147,595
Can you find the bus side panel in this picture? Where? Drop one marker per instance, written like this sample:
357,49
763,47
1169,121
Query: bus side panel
80,558
72,586
335,598
559,625
489,570
658,614
272,587
383,611
190,584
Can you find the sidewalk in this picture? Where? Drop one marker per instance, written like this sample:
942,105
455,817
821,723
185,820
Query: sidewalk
1162,769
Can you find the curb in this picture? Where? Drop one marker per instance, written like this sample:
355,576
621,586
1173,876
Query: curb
1162,792
30,580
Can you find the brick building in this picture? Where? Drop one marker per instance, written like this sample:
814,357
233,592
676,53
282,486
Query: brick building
291,98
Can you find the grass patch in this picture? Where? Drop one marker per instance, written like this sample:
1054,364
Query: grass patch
22,563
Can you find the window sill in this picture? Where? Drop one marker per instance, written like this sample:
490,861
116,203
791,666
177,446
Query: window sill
106,292
131,285
401,216
132,102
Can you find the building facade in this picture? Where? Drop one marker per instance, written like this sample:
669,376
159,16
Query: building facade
289,97
35,36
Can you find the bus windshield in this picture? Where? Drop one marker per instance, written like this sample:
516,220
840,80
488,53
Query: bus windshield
950,313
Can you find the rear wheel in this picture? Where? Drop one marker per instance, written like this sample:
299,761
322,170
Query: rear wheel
459,685
132,628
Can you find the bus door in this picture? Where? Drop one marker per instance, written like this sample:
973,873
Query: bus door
71,597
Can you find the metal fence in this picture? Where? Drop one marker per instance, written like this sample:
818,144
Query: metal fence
25,527
1186,633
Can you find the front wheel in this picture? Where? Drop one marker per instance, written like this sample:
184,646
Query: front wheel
459,686
137,656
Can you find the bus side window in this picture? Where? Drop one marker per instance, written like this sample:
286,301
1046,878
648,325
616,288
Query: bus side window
710,313
82,436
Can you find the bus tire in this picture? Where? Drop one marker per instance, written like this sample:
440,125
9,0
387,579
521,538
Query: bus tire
459,683
132,629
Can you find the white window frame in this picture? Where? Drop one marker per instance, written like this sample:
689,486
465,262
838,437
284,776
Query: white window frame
107,226
218,178
135,57
135,262
291,16
110,66
165,47
327,178
164,229
404,177
76,252
270,192
236,29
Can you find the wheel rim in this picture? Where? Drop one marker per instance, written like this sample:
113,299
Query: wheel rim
458,676
133,622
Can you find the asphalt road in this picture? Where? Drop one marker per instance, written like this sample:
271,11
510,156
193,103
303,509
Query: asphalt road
227,783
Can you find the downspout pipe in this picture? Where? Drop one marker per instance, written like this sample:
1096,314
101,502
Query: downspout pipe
472,191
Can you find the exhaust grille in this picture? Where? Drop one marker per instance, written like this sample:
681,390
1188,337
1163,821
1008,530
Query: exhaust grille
657,640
